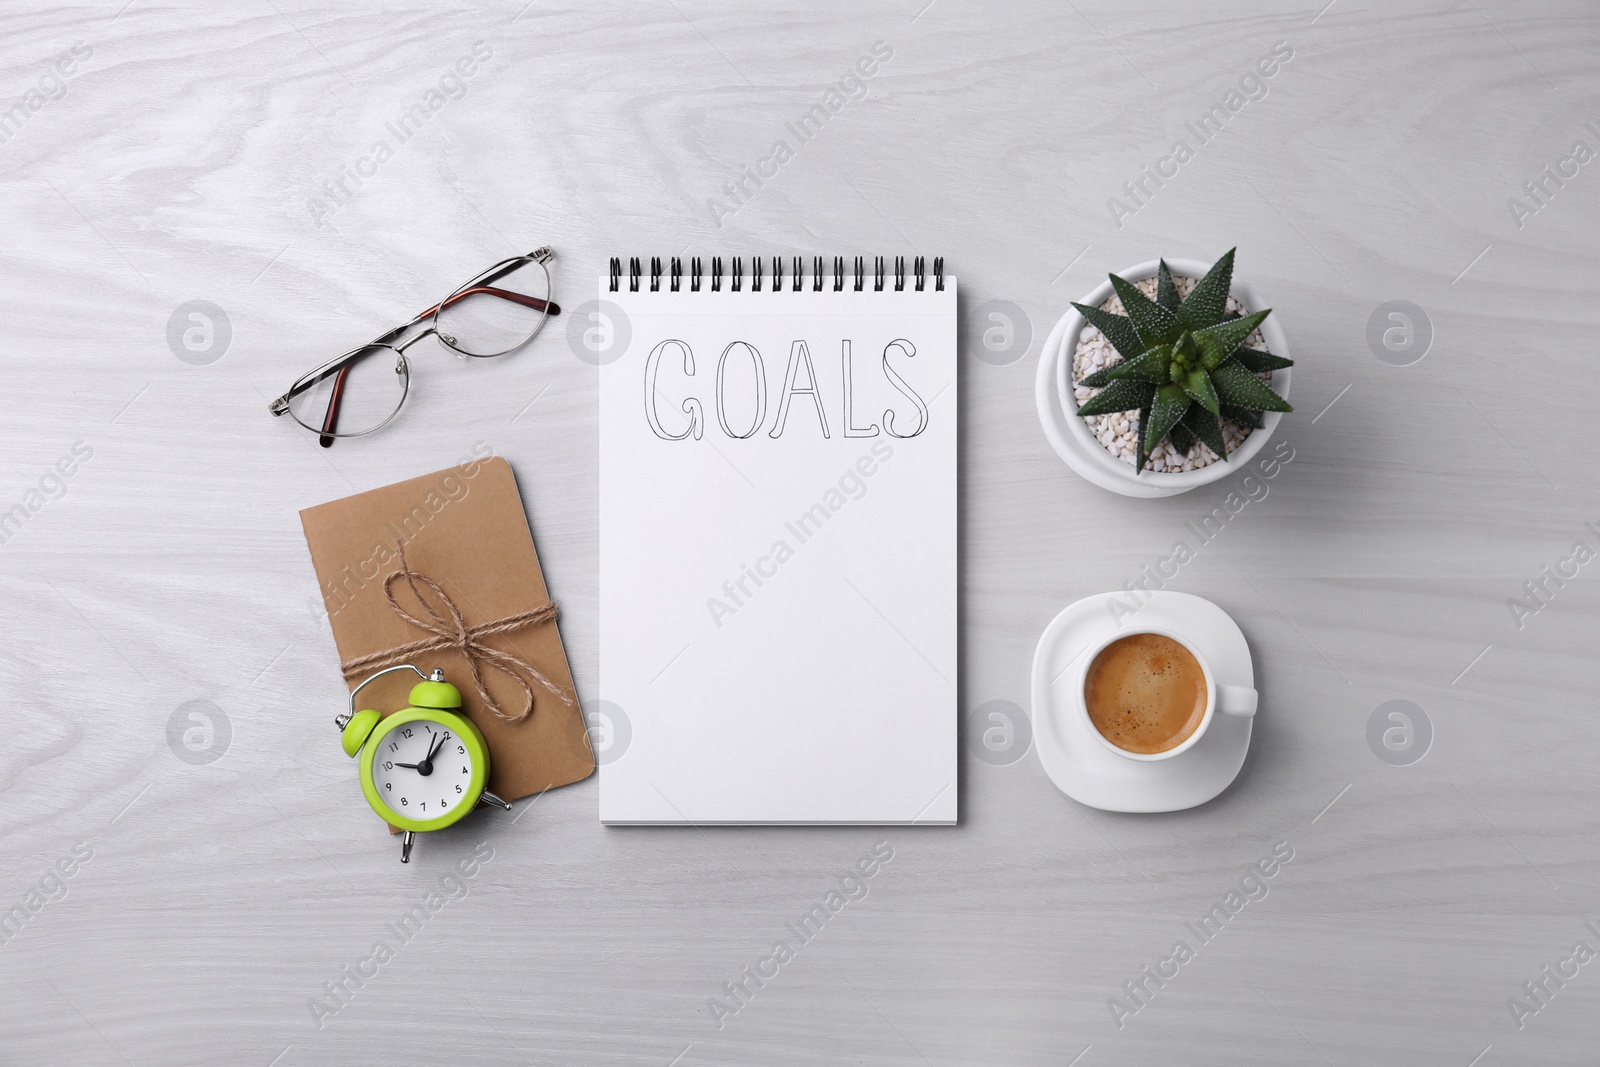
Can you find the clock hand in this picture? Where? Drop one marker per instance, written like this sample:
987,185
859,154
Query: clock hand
425,766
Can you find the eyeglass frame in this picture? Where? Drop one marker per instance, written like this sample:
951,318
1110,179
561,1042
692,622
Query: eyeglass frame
341,365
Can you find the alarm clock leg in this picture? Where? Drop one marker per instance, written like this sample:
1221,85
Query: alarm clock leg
490,798
405,846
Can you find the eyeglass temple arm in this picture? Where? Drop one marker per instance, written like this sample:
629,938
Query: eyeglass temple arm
280,406
509,266
330,421
549,307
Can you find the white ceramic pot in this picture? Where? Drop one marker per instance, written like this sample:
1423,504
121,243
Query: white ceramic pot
1069,434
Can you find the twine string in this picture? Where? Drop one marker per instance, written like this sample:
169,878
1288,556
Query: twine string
449,630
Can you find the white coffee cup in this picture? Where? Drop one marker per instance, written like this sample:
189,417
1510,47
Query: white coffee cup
1224,699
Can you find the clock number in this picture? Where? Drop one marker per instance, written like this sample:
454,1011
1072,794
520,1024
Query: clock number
388,785
464,770
404,802
458,789
394,746
445,803
387,765
406,730
461,750
424,805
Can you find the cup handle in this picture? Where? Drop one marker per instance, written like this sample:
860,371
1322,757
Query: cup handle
1236,700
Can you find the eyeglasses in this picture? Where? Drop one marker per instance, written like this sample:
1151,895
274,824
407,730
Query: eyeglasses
493,313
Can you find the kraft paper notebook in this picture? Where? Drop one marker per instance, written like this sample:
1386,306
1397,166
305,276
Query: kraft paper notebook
464,528
778,544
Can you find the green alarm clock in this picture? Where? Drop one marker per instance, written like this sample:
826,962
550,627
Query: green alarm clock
423,767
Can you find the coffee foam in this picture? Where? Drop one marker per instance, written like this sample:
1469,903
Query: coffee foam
1145,693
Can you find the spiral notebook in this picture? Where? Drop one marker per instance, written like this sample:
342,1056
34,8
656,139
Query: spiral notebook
778,542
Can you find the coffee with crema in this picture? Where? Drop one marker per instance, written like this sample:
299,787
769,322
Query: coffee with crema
1146,693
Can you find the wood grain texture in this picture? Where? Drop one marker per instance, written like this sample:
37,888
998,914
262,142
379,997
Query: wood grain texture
186,158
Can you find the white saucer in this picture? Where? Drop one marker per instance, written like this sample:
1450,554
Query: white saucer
1080,765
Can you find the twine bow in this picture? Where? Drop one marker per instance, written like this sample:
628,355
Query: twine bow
450,631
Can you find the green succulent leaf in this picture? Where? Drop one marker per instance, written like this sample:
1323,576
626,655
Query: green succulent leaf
1243,416
1236,385
1099,379
1142,455
1180,438
1198,385
1218,342
1207,302
1185,348
1151,367
1156,325
1170,404
1118,396
1204,425
1257,362
1117,328
1166,291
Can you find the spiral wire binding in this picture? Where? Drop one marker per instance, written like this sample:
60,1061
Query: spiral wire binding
796,284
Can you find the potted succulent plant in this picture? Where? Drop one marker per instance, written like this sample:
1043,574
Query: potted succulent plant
1159,398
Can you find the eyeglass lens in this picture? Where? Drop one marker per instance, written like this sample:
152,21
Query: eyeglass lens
497,315
368,392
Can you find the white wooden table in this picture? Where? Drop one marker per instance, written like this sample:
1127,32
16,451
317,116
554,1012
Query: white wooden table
189,155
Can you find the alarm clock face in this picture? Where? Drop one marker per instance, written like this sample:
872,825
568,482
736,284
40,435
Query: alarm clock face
425,772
